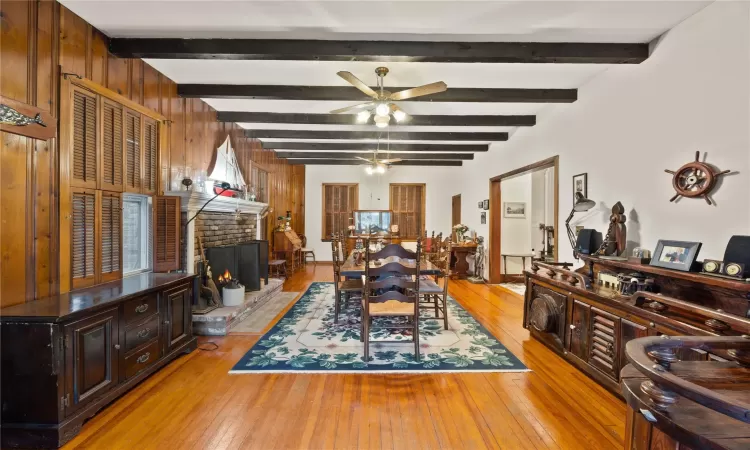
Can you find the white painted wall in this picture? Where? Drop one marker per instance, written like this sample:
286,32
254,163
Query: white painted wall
516,237
440,182
633,121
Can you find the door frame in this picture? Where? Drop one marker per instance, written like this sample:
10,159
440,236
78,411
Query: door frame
496,218
453,200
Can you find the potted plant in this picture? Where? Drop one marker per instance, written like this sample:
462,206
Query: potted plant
460,230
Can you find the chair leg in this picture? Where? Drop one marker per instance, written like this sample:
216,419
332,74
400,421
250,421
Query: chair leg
445,311
366,335
416,336
435,300
336,308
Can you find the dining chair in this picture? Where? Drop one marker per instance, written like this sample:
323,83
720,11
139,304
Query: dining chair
391,289
433,296
305,252
343,290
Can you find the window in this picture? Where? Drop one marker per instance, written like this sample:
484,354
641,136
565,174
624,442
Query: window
339,200
136,233
407,203
259,180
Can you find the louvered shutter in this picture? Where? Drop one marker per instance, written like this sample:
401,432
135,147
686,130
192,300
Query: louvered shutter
133,152
83,239
150,149
339,200
112,149
407,202
111,240
83,162
166,233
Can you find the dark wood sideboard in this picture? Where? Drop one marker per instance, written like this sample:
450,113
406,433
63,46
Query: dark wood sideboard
589,325
65,357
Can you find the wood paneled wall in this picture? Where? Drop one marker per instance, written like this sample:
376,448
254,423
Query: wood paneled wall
39,40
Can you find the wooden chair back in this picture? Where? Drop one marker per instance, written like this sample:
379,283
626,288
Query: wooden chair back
337,262
393,280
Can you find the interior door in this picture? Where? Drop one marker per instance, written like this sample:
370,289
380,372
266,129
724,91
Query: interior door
455,214
178,317
92,355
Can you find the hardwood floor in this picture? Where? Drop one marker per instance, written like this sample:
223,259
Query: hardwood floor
195,404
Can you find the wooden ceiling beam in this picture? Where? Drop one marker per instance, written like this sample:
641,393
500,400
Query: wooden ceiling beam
393,135
350,119
383,51
324,146
382,155
348,93
359,162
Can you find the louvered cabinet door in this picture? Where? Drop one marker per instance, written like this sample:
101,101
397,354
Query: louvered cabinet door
166,233
112,148
111,237
150,155
83,238
84,139
133,152
605,342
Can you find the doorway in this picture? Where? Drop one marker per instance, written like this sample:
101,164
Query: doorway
523,219
455,214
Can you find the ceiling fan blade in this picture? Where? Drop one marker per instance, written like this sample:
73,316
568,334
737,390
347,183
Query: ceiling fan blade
363,159
427,89
357,83
388,161
361,106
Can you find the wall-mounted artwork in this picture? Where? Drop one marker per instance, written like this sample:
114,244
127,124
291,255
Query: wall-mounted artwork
580,184
481,203
514,210
483,218
486,204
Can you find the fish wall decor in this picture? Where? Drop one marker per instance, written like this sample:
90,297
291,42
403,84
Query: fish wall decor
10,116
26,120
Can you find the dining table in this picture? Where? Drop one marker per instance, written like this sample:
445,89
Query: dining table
350,269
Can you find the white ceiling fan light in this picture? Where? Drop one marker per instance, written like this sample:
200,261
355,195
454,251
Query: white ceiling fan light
368,170
382,110
382,121
399,115
363,116
380,168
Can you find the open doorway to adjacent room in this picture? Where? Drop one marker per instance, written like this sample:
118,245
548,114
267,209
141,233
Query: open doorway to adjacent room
523,219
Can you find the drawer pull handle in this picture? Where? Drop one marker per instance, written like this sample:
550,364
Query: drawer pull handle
717,325
141,308
144,332
144,357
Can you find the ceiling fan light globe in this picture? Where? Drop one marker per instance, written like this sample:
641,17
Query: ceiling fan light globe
363,116
380,169
381,124
399,115
382,110
368,170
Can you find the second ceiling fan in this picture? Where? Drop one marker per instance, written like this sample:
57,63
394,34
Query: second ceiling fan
383,105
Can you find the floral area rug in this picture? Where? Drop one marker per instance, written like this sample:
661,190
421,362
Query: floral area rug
307,340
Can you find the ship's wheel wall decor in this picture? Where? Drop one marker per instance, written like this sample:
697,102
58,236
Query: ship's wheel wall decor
695,179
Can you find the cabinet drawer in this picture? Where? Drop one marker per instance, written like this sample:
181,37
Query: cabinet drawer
140,307
139,333
141,359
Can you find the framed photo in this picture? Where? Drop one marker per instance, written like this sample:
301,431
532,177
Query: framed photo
486,204
677,255
514,210
580,184
481,204
483,218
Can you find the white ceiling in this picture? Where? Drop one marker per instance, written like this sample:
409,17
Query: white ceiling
533,21
450,20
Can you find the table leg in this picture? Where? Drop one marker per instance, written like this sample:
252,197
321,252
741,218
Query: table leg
462,266
505,265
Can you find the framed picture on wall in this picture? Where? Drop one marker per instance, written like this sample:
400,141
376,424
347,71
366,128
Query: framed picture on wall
486,204
481,203
514,210
483,218
580,184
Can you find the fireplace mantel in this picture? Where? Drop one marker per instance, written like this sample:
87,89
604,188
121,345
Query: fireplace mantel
191,201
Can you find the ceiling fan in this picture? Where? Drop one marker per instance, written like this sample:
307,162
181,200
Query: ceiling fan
383,104
378,165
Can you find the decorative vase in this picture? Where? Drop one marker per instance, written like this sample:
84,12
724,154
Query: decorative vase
459,236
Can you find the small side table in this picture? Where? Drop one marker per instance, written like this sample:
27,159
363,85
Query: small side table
459,252
523,257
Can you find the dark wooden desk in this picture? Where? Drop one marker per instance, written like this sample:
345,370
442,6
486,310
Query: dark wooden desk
352,270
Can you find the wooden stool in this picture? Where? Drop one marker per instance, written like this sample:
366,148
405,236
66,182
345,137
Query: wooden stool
277,267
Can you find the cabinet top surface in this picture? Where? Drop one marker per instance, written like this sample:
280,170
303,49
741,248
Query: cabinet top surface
60,307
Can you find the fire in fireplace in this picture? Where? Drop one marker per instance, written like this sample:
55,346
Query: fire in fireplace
247,263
